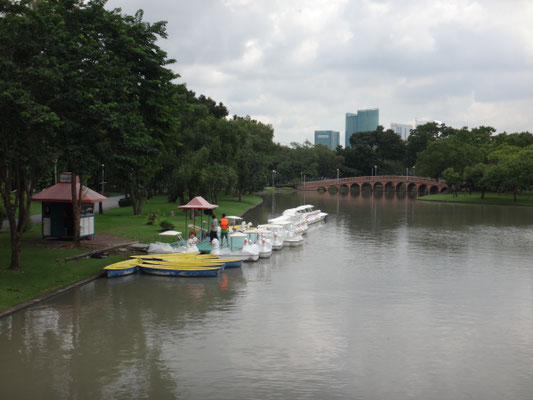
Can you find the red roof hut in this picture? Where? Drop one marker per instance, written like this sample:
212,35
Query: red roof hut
57,208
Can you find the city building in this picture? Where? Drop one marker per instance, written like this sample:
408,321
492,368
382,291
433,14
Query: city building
327,138
363,121
402,130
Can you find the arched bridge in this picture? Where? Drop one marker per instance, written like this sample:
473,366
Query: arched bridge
380,182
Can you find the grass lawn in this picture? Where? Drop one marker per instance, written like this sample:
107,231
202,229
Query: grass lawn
122,222
490,198
43,272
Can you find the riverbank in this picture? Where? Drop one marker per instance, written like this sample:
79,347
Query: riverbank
505,199
44,269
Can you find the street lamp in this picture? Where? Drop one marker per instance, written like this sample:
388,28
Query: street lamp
376,167
100,208
301,176
103,179
337,174
413,170
273,172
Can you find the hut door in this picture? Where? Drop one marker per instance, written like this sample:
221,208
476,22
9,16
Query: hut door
56,214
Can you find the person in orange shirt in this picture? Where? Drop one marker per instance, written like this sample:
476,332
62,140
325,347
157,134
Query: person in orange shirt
224,228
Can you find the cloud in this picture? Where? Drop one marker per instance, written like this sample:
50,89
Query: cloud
301,65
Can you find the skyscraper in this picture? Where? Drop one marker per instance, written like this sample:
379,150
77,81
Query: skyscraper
351,127
402,130
327,138
363,121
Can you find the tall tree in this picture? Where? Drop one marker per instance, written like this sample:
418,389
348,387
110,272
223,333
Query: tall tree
28,123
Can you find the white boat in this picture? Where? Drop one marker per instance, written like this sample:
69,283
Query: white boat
166,248
297,220
292,237
278,234
311,215
239,248
264,242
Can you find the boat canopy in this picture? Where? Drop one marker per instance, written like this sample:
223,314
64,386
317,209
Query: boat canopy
198,203
170,233
238,234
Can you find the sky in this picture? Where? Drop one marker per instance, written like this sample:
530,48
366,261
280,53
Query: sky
301,65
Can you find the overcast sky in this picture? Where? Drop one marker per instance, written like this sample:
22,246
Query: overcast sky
300,65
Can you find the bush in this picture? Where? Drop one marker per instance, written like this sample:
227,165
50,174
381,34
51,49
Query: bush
151,218
125,202
166,226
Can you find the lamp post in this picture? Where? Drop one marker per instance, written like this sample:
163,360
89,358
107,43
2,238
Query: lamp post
55,171
414,170
337,174
273,172
376,173
100,208
301,177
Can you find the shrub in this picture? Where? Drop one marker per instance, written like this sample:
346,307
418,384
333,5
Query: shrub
125,202
166,226
151,218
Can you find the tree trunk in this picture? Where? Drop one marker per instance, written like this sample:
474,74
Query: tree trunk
483,194
15,250
137,197
23,186
76,209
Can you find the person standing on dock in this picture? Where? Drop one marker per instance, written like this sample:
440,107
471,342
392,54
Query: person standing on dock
224,228
214,228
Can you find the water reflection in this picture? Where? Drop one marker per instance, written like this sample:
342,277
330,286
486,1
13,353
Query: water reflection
391,298
107,339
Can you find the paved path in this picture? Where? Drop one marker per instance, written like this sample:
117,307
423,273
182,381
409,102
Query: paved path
36,219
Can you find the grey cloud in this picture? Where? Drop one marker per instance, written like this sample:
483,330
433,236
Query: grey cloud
305,66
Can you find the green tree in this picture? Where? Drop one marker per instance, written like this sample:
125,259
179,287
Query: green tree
419,139
511,169
447,153
28,124
453,179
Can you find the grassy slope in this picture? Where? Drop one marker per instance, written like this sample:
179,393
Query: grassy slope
42,272
475,198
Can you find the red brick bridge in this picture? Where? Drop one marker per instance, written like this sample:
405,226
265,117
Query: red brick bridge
380,182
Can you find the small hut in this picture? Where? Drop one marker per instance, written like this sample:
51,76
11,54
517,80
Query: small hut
57,215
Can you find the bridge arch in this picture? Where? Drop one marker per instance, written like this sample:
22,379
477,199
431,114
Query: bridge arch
433,189
367,187
389,187
354,187
422,189
400,187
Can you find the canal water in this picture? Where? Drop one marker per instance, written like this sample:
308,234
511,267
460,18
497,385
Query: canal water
392,298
